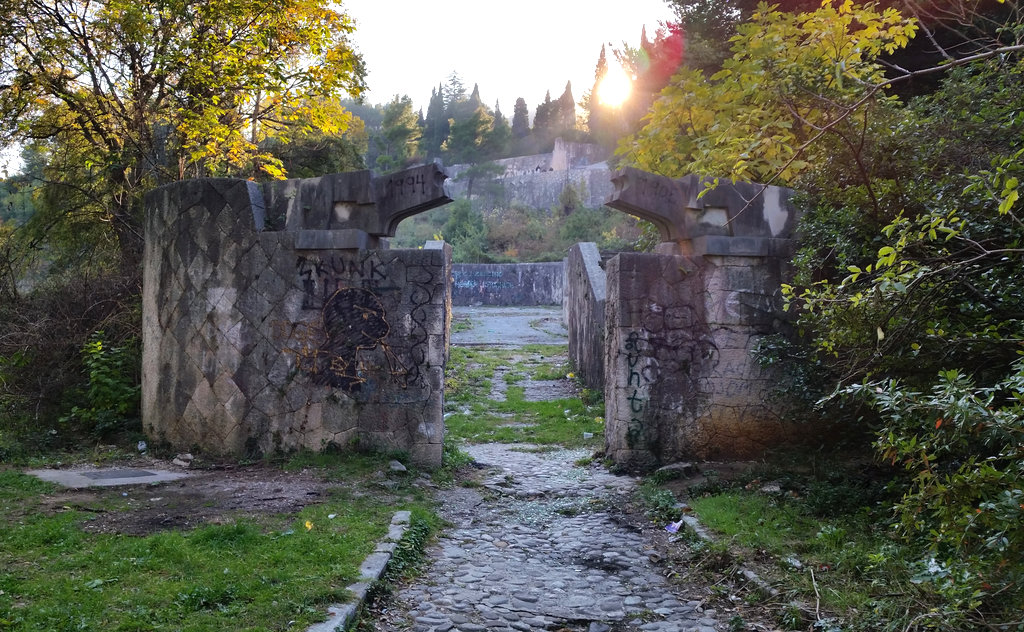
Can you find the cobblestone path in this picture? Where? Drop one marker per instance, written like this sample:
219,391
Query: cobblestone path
540,546
542,543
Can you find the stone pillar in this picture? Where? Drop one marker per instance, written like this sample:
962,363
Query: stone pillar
275,318
680,378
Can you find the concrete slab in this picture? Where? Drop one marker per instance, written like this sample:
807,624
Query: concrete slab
109,477
510,326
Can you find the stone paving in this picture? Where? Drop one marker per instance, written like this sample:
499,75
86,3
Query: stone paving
540,546
511,326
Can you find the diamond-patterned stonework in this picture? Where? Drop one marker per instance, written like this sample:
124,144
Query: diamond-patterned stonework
252,346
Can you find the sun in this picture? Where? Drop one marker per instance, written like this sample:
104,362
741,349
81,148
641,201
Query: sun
615,87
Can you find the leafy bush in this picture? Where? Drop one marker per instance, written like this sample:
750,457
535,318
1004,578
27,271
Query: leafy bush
963,449
112,394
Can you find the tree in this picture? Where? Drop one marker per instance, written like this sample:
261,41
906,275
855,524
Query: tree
146,92
554,118
398,140
316,153
474,97
598,115
113,98
908,316
649,67
454,90
520,119
499,137
543,118
468,145
466,231
435,129
792,78
565,117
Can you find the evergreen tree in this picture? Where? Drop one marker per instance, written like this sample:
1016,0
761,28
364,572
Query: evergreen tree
458,106
600,118
454,90
500,135
543,118
435,124
520,119
565,114
467,145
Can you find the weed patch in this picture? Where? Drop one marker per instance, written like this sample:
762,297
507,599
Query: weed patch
476,418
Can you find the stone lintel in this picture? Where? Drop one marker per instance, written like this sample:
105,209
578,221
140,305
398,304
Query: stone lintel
657,199
354,200
680,211
406,193
347,239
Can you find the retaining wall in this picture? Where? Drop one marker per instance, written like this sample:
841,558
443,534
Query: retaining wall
508,284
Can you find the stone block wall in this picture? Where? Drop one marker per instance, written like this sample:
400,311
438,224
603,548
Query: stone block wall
584,313
681,380
268,341
505,284
658,350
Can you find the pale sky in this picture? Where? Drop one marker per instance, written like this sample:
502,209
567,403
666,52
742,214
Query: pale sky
521,48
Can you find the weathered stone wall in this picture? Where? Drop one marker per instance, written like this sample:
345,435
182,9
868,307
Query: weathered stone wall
266,341
585,304
537,181
506,284
681,325
681,380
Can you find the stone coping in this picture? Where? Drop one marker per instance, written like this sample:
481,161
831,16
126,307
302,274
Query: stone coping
341,616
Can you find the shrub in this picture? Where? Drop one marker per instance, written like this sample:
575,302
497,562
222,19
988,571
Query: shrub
111,396
963,449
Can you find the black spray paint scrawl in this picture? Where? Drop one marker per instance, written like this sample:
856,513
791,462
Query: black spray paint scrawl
353,319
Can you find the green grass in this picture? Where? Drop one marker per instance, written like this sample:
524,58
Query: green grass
478,419
855,563
268,574
461,324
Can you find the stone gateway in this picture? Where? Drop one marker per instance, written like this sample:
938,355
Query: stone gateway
275,318
679,327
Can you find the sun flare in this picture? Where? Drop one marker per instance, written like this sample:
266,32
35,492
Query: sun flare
615,87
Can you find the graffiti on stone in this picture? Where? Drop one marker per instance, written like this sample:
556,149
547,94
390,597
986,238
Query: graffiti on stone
406,186
424,281
635,382
352,320
320,277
